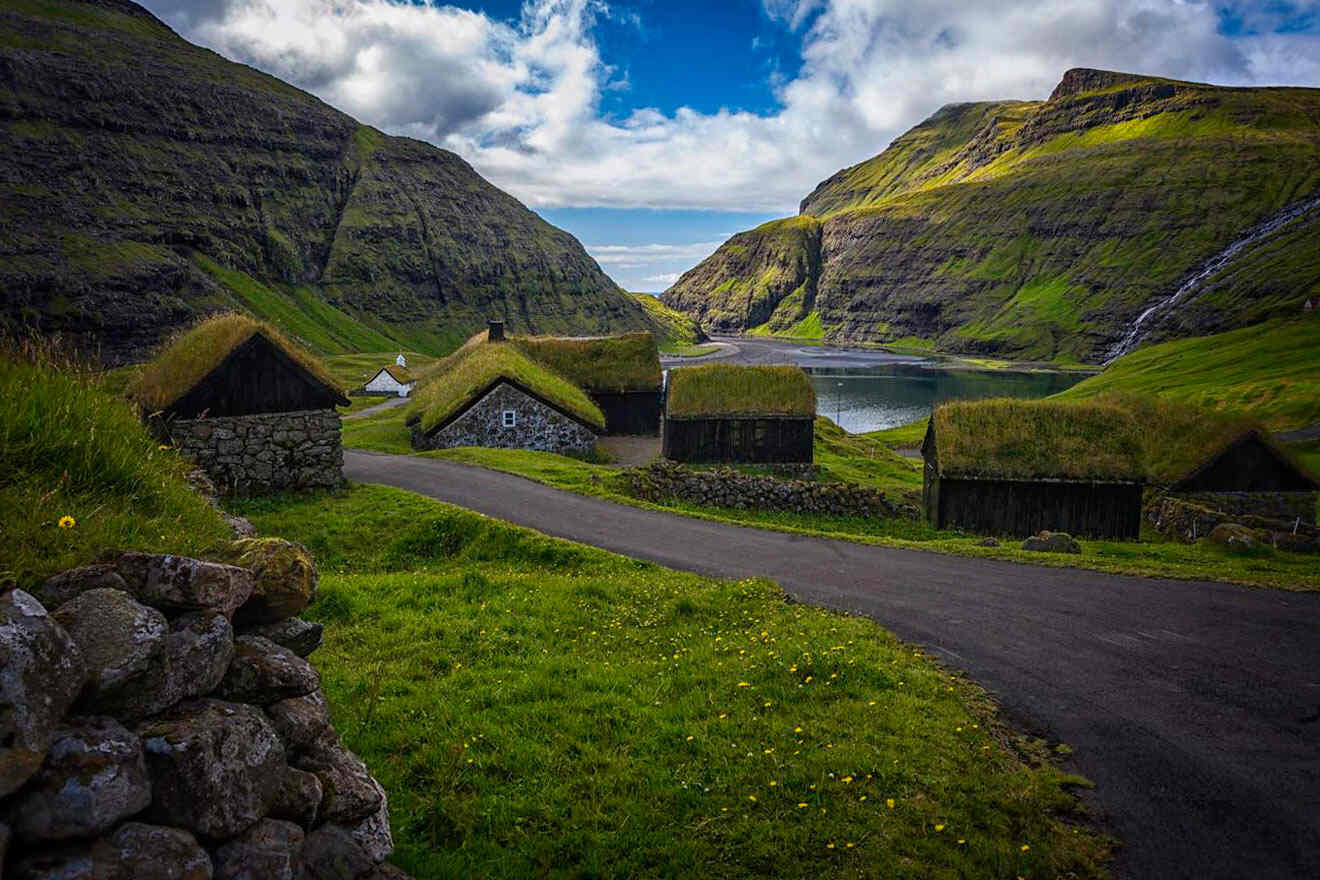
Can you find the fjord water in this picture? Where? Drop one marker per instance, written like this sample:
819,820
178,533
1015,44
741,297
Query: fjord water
870,391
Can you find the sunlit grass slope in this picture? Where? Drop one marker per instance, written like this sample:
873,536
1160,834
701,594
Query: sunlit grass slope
537,708
69,449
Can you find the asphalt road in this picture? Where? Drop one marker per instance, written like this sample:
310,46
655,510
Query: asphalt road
1193,706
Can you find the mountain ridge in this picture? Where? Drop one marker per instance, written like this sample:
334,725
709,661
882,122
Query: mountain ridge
147,181
1041,229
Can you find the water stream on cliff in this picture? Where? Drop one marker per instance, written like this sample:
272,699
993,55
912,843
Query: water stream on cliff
1210,267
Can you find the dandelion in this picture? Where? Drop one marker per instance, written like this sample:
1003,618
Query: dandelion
744,684
162,447
752,798
847,780
872,703
862,798
962,841
889,802
773,783
809,678
1025,847
67,522
797,730
939,827
802,805
830,845
849,845
690,738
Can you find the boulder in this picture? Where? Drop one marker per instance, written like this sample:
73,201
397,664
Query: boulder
285,578
1052,542
68,584
41,674
301,721
93,778
134,852
298,798
350,793
177,584
348,852
269,850
153,852
199,648
1295,543
240,526
988,542
1238,538
262,673
123,644
299,636
215,767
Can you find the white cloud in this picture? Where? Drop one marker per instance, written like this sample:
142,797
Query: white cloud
522,101
663,277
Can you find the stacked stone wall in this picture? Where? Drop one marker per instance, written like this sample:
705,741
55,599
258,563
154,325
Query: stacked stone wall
538,427
1290,506
160,720
270,452
1185,520
726,487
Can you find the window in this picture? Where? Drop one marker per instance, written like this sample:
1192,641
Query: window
509,418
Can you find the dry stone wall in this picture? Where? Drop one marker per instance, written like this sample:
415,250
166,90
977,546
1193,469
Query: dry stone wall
726,487
249,455
159,719
1185,520
537,426
1288,506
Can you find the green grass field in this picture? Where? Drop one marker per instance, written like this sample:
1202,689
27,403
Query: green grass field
538,708
1269,371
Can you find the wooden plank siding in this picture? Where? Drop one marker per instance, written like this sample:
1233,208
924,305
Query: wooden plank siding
1021,508
750,440
256,377
629,412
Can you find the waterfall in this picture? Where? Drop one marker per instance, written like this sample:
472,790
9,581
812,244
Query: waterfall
1260,231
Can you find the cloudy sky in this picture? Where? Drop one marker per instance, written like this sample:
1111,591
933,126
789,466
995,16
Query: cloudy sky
654,129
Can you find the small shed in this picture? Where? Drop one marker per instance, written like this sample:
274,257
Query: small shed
1243,472
392,380
491,394
731,413
254,410
1016,467
620,373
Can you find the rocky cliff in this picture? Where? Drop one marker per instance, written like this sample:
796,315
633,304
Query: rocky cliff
1044,229
144,181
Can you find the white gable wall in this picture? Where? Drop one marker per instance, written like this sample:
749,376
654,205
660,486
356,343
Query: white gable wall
384,383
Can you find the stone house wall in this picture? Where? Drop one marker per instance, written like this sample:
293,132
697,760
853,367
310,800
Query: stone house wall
1185,520
246,455
538,426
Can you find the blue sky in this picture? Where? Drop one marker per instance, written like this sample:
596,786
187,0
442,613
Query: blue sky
653,130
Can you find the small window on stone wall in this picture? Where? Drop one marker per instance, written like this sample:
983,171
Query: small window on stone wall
509,418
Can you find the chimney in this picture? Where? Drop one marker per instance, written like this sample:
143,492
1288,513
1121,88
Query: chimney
495,333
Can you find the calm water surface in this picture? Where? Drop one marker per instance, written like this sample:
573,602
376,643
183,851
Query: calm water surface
871,390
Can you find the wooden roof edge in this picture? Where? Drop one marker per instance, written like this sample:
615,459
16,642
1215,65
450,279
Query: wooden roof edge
490,386
1281,455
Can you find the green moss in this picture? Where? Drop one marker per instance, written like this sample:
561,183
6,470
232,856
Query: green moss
729,389
629,362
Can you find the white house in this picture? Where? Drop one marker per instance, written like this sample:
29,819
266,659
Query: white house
391,380
401,361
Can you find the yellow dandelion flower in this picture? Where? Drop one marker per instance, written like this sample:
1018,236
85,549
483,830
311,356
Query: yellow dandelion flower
872,703
744,684
889,802
163,446
773,783
849,845
752,798
797,730
1025,847
802,805
847,780
939,827
830,845
691,738
862,798
961,841
809,678
67,522
769,751
724,714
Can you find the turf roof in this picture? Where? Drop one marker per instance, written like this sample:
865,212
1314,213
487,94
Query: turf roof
715,390
1010,439
627,362
475,366
190,356
397,373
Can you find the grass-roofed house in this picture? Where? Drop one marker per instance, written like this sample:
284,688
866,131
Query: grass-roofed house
391,379
731,413
1016,467
1219,462
620,373
254,410
488,393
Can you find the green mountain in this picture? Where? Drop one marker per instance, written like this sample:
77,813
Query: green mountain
1044,229
145,181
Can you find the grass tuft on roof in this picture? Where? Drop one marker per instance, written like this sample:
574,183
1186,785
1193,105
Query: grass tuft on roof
627,362
462,375
190,355
1013,439
715,390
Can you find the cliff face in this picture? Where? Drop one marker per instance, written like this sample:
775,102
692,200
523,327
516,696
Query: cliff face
1043,229
144,181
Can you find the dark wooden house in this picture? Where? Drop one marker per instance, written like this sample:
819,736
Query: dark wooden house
729,413
1248,474
621,374
1018,467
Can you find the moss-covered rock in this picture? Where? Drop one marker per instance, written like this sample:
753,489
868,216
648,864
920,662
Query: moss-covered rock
285,578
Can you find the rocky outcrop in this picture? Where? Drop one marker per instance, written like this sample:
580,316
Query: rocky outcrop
146,181
1052,542
140,738
1043,229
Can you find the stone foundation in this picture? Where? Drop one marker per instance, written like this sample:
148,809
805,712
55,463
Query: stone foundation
271,452
1185,520
1289,506
538,426
161,720
727,487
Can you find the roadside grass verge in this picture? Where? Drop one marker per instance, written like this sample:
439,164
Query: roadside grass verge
69,448
540,708
1153,556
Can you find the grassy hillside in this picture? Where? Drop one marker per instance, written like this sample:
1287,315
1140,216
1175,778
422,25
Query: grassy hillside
675,331
79,475
539,708
1041,229
1270,372
145,181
